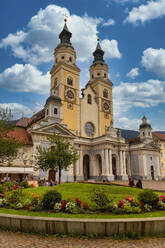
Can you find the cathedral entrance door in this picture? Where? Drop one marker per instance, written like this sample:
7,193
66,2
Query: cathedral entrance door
86,167
152,172
114,169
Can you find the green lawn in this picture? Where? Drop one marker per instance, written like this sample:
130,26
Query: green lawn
82,190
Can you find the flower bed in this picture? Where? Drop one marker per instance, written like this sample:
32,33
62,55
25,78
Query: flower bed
101,201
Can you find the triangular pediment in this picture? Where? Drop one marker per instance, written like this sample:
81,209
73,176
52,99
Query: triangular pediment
54,128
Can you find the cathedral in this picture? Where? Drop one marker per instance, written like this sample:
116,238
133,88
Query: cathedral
105,153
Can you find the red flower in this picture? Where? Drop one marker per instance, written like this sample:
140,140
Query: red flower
121,203
78,202
63,205
85,205
15,187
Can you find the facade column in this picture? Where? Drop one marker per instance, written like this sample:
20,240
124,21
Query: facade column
103,162
110,162
93,173
158,167
106,162
70,173
80,175
123,175
144,167
77,168
121,164
124,164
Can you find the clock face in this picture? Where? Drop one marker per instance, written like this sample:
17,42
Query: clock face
106,107
89,129
70,94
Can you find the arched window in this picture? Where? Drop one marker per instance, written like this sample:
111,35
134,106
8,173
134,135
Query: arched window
47,111
143,134
70,81
89,99
105,93
55,82
55,111
70,59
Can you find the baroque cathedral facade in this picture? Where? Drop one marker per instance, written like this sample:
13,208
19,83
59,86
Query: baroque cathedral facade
105,153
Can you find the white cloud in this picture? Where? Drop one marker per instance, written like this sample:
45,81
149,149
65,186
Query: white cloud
109,2
147,12
133,73
109,22
125,123
141,94
18,110
154,60
25,78
37,44
111,49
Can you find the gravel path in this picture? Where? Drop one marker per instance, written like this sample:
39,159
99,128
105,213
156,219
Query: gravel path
22,240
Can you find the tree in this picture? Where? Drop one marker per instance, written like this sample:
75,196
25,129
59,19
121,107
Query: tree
8,144
58,156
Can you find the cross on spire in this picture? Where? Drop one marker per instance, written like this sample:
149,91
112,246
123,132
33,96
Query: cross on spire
66,18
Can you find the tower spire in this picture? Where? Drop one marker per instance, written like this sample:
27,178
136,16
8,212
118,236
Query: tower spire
65,35
98,53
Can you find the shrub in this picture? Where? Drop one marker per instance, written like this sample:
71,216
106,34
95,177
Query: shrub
35,199
8,186
50,198
147,208
100,198
23,184
1,189
148,197
14,197
161,205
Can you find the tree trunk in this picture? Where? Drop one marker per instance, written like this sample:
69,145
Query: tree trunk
59,179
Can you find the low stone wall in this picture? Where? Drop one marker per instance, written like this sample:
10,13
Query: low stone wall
106,227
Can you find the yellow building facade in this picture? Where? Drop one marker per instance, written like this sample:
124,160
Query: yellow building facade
95,113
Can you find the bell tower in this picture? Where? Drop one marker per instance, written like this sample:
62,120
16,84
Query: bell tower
103,87
65,80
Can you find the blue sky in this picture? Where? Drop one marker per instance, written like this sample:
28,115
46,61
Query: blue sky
131,34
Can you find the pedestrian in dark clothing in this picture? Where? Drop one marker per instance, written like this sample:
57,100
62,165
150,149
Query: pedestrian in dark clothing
132,183
139,184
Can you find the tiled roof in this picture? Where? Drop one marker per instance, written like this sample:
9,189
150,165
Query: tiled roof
21,135
38,116
159,135
23,122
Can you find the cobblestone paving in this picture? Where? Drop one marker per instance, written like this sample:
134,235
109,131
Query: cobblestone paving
22,240
157,185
